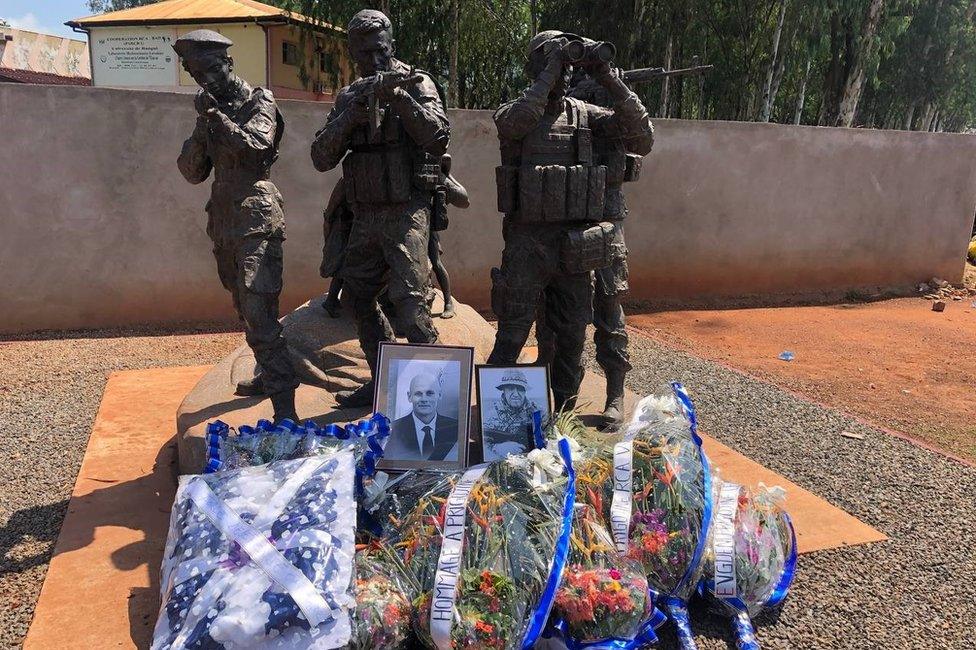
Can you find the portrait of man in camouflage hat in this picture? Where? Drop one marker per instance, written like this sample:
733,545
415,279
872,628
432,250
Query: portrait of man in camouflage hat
507,398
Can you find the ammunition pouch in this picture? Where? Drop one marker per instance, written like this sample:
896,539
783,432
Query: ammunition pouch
438,210
380,175
427,176
633,167
512,301
588,249
551,193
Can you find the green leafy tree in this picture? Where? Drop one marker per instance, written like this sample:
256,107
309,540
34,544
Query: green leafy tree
103,6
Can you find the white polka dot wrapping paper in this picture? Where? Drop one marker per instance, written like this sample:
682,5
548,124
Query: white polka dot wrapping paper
261,557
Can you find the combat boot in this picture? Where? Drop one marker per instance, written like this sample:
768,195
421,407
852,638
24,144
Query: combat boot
613,411
250,387
362,396
284,406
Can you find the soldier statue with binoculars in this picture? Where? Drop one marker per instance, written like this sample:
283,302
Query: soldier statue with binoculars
560,197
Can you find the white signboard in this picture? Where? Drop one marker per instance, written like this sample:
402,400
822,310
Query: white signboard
134,57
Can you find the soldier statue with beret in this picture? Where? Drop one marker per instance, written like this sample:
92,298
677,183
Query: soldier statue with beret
236,136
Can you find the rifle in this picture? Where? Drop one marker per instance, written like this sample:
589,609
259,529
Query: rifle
370,86
644,75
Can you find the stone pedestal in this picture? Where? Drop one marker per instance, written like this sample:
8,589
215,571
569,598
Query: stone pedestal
326,355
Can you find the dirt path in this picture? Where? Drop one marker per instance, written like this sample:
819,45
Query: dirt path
896,363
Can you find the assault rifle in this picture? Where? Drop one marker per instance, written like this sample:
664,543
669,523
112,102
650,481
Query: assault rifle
644,75
383,81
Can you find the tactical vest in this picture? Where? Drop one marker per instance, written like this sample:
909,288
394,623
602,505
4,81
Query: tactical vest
556,178
386,166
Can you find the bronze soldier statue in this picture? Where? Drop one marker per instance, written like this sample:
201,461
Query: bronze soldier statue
237,134
389,131
611,282
553,189
337,222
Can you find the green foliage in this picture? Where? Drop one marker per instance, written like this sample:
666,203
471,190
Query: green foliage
913,67
102,6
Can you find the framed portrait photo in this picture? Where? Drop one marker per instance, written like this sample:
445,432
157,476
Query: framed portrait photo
425,390
507,397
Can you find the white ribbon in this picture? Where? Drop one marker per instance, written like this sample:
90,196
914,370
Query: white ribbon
449,562
623,498
723,540
262,553
266,555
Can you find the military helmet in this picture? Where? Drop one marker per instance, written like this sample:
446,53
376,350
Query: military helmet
201,41
540,39
513,378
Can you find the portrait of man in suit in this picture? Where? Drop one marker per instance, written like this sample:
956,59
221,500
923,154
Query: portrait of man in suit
423,433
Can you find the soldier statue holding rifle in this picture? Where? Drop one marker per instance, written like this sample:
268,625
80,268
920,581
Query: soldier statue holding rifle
236,136
557,194
389,130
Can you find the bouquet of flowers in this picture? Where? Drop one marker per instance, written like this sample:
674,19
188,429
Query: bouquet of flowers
652,486
381,620
752,555
603,598
486,548
261,557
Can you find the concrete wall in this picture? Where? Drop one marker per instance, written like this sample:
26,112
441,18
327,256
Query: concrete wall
99,228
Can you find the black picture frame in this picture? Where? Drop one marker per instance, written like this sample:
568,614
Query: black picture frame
488,437
398,363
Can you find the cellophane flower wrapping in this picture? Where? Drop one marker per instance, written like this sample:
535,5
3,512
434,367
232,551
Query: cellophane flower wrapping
751,553
384,596
603,595
668,492
297,518
510,533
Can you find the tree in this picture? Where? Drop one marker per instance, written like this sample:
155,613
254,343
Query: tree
103,6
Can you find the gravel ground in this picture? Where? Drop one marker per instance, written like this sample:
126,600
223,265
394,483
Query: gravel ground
912,591
909,592
49,396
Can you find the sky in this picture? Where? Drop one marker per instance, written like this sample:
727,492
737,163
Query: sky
46,16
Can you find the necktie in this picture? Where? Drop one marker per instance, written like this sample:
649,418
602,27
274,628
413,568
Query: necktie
428,441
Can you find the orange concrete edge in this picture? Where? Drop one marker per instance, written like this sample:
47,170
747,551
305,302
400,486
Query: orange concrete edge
101,589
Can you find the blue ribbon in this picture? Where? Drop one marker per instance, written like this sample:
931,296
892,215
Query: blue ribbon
541,613
745,635
678,612
537,435
688,407
789,569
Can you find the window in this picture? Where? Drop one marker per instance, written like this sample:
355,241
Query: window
289,53
325,61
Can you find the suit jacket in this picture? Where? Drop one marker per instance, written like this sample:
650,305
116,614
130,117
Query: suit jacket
402,444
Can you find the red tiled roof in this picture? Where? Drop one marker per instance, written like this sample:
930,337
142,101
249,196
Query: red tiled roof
31,77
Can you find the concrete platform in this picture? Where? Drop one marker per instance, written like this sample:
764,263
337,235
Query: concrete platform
102,586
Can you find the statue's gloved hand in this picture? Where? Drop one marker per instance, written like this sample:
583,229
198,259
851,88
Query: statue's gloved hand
553,49
358,110
599,70
205,104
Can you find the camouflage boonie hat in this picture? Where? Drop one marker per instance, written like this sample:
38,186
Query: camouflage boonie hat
513,378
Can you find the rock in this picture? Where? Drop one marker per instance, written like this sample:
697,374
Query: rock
326,355
938,282
938,306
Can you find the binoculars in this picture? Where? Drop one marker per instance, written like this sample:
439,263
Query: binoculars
587,51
